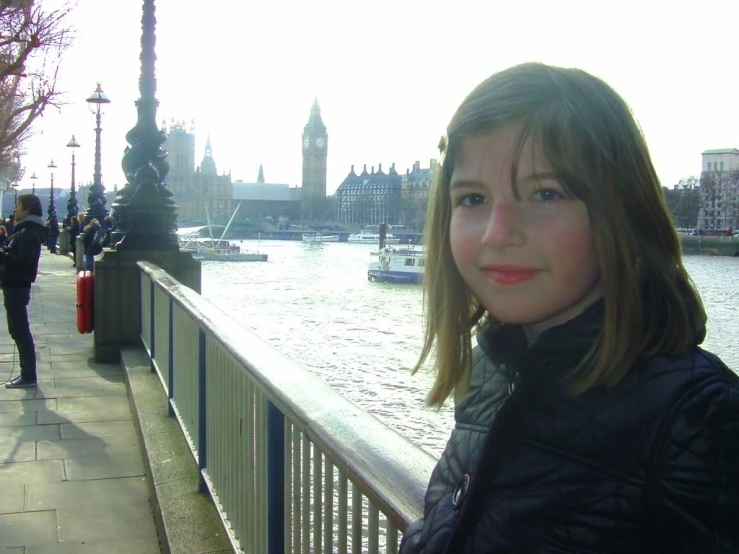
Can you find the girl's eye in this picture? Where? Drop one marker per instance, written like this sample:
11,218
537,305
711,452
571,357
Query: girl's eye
470,200
548,195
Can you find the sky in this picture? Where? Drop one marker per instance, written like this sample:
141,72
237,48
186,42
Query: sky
388,75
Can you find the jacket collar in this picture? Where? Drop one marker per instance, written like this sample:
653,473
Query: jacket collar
31,219
552,355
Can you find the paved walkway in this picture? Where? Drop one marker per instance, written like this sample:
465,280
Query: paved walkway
71,474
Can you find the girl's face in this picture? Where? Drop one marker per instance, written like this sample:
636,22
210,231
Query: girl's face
529,260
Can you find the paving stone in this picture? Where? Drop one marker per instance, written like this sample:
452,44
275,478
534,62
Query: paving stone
28,528
46,471
116,546
10,501
123,465
93,386
90,523
18,420
102,492
19,406
85,430
19,451
12,435
85,448
87,408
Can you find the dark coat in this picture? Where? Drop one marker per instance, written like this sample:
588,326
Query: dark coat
19,261
87,237
648,466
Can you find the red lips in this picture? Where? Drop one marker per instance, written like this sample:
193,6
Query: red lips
509,274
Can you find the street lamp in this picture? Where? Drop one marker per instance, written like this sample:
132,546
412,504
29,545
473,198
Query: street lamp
52,207
96,198
73,205
145,212
33,183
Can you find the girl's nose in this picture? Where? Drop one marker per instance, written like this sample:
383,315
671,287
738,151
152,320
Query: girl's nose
503,225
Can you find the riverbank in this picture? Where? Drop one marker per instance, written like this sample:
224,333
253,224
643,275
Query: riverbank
710,246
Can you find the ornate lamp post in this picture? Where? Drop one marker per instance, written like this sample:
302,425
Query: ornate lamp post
96,198
33,183
52,207
144,209
73,205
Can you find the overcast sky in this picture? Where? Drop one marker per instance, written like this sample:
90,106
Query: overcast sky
388,75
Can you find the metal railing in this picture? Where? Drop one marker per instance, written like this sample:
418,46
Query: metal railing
292,465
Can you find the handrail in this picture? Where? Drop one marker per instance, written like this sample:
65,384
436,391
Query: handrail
388,469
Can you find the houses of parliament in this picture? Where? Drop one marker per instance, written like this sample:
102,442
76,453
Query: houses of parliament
200,191
366,198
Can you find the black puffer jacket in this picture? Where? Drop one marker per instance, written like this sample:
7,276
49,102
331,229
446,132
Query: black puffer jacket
20,259
648,466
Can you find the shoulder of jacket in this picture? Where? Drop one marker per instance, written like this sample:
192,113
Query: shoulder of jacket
489,385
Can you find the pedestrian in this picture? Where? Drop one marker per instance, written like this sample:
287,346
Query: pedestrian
74,232
3,236
53,230
88,241
19,267
587,417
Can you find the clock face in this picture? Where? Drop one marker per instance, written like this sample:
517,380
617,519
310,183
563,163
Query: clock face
320,142
306,142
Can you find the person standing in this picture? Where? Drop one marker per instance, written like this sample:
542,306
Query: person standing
53,235
19,267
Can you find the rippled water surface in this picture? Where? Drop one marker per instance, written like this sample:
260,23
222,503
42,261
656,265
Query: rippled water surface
313,302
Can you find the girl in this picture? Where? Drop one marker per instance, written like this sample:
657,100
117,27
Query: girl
587,417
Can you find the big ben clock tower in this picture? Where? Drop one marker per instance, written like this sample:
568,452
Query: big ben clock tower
315,151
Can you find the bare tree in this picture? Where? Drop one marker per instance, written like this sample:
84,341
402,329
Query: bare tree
32,42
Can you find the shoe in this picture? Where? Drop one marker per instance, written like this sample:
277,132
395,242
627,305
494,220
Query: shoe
20,383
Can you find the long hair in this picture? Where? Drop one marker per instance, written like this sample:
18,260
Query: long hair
593,145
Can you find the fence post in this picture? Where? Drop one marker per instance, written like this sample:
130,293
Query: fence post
202,439
275,480
170,369
151,324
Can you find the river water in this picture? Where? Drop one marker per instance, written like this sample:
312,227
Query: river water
313,302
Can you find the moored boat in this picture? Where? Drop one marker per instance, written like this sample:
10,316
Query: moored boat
218,250
365,237
393,264
319,237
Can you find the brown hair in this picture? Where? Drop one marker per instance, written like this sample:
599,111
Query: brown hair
594,147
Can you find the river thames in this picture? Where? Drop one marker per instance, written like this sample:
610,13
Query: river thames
313,302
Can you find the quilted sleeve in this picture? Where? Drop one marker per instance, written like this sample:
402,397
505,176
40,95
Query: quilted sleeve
696,500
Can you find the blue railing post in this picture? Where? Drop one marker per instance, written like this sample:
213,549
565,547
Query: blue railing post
202,439
151,324
170,369
275,480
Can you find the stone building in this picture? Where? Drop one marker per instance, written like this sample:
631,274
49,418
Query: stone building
262,200
373,197
369,198
719,191
315,153
415,186
198,192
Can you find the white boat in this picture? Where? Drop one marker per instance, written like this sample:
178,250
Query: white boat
219,251
366,237
393,264
210,249
319,237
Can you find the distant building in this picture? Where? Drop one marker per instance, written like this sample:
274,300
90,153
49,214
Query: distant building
415,186
315,153
369,198
719,191
266,200
198,192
